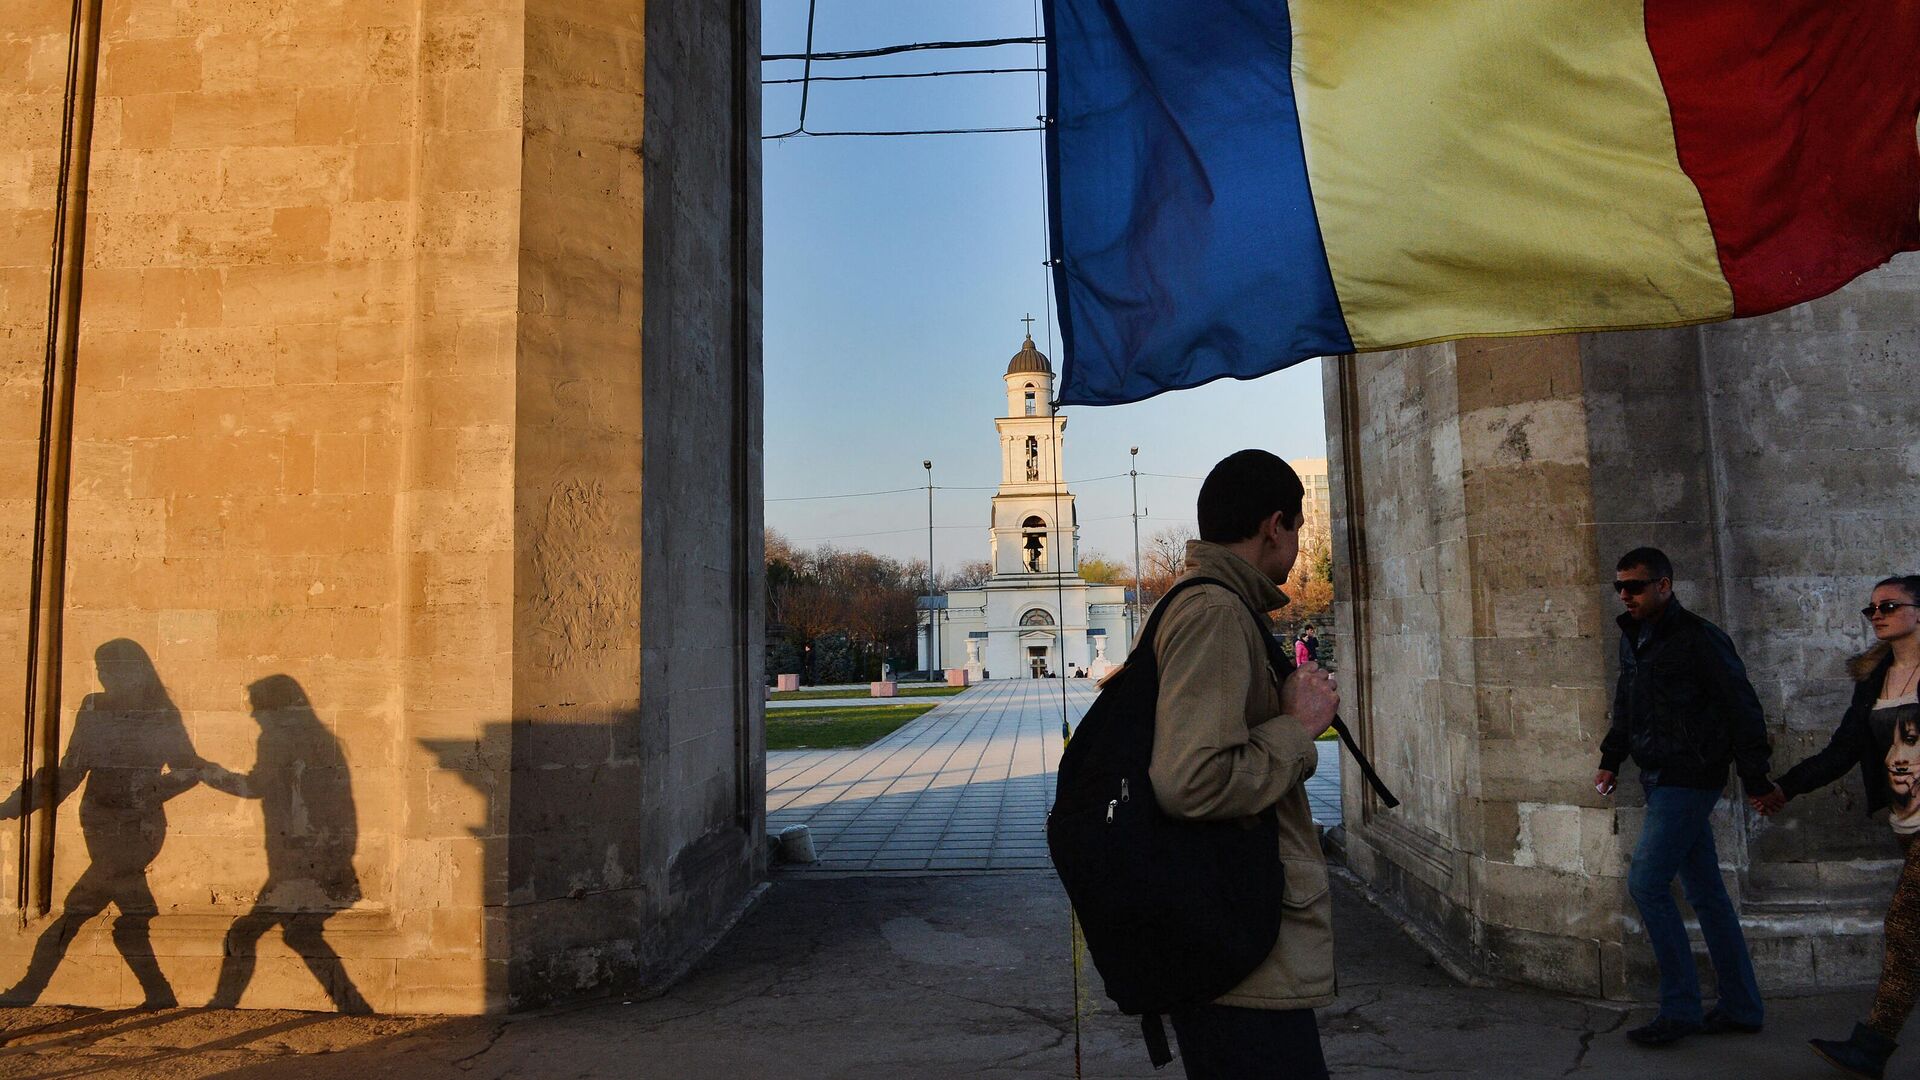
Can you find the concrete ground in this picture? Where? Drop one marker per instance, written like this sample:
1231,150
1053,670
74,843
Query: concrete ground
931,975
889,960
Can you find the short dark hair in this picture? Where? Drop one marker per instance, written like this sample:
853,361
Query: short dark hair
1910,583
1652,558
1245,489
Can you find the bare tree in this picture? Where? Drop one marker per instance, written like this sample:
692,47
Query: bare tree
866,598
1163,558
970,575
810,610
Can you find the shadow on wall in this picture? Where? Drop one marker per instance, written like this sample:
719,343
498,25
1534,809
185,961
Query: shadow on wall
130,750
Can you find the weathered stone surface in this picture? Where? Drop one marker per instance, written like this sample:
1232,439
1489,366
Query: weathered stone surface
413,339
1486,488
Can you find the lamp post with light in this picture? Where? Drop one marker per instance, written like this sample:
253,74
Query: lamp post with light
933,620
1133,471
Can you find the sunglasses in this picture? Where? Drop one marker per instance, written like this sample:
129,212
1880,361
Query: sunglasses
1884,607
1631,586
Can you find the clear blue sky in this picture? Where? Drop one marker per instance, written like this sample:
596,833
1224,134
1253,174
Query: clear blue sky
897,271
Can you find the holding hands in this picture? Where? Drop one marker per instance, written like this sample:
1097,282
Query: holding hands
1769,804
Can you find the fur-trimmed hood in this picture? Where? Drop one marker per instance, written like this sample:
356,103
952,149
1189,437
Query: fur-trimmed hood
1863,666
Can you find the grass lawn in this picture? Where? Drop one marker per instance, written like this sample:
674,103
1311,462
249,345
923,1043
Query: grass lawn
904,691
837,729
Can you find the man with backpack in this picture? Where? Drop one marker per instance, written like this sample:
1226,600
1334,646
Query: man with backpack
1232,741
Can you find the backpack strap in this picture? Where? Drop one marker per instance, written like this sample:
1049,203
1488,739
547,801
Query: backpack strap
1155,1032
1283,663
1144,646
1282,667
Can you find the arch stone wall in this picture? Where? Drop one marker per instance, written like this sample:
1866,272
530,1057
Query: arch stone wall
1482,492
418,362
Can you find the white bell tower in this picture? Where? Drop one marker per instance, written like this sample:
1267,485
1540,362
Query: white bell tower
1035,617
1035,532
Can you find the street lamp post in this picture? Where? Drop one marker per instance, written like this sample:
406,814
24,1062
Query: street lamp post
933,619
1133,471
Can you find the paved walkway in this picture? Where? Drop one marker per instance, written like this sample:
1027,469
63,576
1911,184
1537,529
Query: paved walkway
965,787
931,976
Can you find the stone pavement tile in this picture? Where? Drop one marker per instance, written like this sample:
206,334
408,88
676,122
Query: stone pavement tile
978,767
884,976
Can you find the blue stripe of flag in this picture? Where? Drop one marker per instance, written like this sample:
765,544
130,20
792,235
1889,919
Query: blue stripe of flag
1183,225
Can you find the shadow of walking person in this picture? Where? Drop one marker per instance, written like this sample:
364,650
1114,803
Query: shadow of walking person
130,747
306,798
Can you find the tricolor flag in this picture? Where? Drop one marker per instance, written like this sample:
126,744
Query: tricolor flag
1239,185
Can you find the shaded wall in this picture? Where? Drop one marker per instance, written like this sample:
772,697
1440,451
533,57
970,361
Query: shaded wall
1763,457
389,328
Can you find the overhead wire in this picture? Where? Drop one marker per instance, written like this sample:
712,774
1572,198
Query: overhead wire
899,75
883,532
798,134
847,495
807,79
923,487
893,50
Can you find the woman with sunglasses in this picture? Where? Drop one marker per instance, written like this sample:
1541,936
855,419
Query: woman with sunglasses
1880,734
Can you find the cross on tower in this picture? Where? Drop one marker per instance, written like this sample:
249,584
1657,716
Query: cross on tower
1029,321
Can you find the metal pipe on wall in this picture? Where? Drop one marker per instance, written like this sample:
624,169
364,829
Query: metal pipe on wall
47,604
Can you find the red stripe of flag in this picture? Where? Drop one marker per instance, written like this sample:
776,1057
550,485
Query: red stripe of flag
1796,120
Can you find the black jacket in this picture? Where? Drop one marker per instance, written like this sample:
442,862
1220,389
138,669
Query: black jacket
1853,743
1684,708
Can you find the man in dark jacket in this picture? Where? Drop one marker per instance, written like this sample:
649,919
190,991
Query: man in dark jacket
1684,711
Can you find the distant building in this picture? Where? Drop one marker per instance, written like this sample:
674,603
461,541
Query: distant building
1036,615
1313,474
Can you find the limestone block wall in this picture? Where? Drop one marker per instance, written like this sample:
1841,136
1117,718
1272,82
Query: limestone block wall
1764,457
1465,576
1817,477
375,456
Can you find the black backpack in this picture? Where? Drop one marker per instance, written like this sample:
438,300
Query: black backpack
1175,913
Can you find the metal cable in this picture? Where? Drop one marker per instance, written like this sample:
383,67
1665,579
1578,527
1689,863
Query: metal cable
798,134
806,77
892,50
900,75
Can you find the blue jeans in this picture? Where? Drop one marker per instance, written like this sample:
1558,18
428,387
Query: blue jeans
1678,839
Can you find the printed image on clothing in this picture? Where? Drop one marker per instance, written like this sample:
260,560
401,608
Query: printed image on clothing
1903,768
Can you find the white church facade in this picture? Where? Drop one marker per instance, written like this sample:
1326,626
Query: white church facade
1035,616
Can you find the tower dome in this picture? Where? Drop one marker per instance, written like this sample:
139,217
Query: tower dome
1029,361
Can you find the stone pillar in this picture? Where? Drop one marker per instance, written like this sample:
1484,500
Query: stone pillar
418,365
1483,490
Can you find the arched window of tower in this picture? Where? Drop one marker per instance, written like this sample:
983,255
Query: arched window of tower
1036,617
1035,545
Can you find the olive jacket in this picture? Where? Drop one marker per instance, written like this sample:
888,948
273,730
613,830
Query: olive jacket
1223,750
